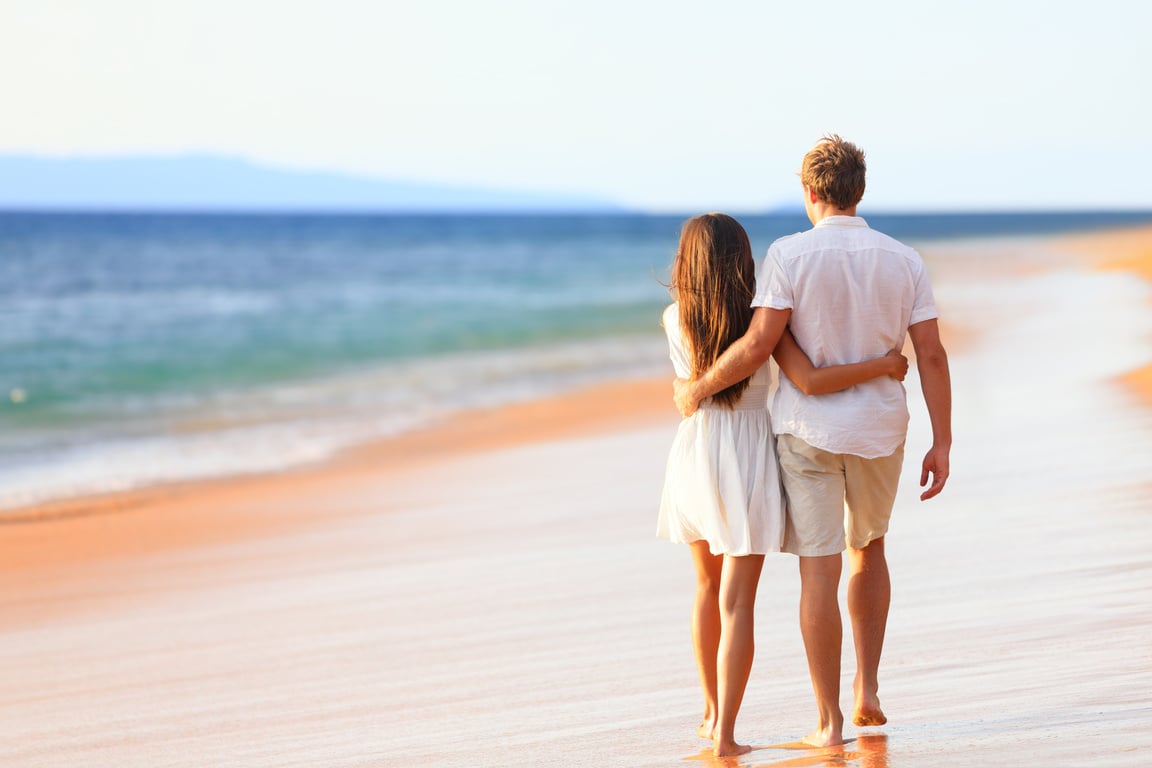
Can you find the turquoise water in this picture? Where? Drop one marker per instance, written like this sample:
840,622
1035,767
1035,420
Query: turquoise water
140,348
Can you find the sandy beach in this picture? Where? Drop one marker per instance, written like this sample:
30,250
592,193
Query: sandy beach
490,591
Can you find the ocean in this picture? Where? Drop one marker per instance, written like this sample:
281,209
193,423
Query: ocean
138,349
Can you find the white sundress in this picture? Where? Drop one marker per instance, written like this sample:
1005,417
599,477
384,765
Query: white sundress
722,483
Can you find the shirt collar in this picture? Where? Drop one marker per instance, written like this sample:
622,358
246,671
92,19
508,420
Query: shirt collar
842,221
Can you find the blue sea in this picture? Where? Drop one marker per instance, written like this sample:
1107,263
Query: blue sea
138,349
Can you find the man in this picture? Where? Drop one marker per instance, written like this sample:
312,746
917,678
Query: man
847,293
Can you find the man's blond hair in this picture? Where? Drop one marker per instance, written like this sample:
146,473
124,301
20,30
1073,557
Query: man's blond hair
834,169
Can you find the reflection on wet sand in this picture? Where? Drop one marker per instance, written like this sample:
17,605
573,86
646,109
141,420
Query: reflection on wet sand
873,749
868,750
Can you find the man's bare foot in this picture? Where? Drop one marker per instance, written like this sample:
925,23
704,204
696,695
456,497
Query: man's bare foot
726,748
868,711
829,736
864,718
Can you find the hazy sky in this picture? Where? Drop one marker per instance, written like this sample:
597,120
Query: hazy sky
666,105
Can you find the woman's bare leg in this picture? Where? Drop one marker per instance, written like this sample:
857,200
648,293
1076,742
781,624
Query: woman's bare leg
738,584
706,628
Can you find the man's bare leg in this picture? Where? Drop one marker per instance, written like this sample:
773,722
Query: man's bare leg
737,646
869,595
823,634
706,628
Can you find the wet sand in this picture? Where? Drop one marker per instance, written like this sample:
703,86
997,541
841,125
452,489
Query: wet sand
489,592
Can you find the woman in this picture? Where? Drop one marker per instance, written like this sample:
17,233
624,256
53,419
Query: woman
722,493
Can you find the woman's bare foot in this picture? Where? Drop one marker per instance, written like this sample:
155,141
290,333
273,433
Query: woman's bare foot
727,748
707,729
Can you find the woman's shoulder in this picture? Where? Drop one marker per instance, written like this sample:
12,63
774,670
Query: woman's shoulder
671,315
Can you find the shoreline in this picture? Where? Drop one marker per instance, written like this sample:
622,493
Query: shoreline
1128,250
590,408
587,409
1117,250
191,513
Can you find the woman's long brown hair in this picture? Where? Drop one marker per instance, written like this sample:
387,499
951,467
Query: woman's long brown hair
713,280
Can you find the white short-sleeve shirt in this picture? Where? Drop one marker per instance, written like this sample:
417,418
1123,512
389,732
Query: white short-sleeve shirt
853,293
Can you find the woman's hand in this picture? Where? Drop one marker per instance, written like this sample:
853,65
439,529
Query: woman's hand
898,364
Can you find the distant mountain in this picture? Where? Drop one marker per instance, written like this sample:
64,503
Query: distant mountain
209,182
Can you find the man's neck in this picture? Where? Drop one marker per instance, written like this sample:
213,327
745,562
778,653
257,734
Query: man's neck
821,211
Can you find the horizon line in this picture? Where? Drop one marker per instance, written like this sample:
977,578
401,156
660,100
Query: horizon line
621,210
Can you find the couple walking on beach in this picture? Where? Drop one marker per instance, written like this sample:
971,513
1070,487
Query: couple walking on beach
817,475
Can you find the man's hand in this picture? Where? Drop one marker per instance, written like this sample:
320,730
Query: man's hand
685,400
936,465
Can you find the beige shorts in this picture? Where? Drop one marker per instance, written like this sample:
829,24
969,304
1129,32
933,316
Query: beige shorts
835,500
